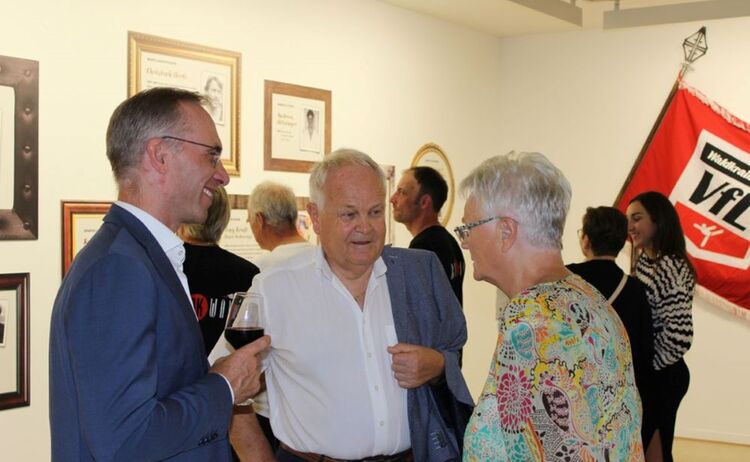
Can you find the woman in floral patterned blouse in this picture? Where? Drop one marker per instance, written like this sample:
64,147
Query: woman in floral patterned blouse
560,386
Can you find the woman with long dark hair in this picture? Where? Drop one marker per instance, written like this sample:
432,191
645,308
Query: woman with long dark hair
660,261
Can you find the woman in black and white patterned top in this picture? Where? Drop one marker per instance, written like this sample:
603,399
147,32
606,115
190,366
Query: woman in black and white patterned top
661,263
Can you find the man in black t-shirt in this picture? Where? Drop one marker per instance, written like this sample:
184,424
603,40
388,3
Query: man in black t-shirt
416,203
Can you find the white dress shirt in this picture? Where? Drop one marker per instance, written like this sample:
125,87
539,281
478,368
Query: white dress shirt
168,241
328,373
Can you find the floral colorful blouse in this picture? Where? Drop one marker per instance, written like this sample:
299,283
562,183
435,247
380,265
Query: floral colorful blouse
561,385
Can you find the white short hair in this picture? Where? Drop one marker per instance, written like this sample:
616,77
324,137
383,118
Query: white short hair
527,187
339,158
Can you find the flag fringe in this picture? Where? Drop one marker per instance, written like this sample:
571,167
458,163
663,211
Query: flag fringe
722,303
716,107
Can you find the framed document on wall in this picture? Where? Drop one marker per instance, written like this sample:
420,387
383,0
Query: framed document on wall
215,73
14,340
431,155
297,126
81,220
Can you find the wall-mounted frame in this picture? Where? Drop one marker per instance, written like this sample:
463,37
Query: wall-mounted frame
215,73
14,340
81,220
431,155
238,237
19,143
297,131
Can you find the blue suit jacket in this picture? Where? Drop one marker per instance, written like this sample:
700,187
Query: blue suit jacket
129,378
426,312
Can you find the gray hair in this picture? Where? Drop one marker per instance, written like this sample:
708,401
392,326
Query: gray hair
276,202
339,158
526,187
145,115
216,222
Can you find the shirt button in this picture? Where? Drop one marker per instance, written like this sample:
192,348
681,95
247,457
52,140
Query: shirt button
377,388
369,355
382,423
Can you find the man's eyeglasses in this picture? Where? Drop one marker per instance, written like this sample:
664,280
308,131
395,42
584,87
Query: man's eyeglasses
463,231
213,151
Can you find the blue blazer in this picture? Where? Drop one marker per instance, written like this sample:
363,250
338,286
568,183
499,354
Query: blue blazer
426,312
128,375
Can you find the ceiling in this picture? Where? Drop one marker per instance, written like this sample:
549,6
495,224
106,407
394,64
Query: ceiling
519,17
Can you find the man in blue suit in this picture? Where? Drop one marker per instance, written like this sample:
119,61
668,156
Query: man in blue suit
128,376
364,364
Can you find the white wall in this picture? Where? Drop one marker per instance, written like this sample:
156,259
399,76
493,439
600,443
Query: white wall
398,80
588,100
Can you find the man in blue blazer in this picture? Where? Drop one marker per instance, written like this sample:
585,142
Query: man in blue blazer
364,364
128,376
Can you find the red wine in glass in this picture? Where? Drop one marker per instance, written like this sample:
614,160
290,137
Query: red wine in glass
241,336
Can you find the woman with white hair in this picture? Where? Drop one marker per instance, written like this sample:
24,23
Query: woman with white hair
561,383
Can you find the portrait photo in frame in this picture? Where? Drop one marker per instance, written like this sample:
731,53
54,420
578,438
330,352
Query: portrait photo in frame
14,340
80,221
431,155
238,237
215,73
297,126
390,184
19,156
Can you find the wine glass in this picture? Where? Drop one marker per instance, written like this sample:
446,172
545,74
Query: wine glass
244,319
244,323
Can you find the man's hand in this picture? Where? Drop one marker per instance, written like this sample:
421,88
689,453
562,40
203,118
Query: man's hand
415,365
242,369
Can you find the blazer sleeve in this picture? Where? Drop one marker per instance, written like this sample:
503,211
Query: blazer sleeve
115,339
453,333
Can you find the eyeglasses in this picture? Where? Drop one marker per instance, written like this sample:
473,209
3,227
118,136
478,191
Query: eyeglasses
463,231
213,151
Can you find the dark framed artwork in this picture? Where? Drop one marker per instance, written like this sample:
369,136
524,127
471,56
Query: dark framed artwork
19,142
297,126
14,340
80,221
215,73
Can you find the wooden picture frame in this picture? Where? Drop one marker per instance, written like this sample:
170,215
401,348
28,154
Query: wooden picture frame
14,340
80,221
20,123
215,73
432,155
293,137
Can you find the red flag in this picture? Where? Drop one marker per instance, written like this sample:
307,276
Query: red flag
700,158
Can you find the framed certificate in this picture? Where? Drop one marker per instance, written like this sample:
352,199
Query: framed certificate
431,155
297,126
14,340
215,73
81,220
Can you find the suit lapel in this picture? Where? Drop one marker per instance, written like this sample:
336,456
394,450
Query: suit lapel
396,278
138,230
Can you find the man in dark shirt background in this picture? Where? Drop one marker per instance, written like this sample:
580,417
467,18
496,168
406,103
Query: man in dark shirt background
417,201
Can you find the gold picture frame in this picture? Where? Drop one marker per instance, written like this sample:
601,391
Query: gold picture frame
80,221
161,62
432,155
293,136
